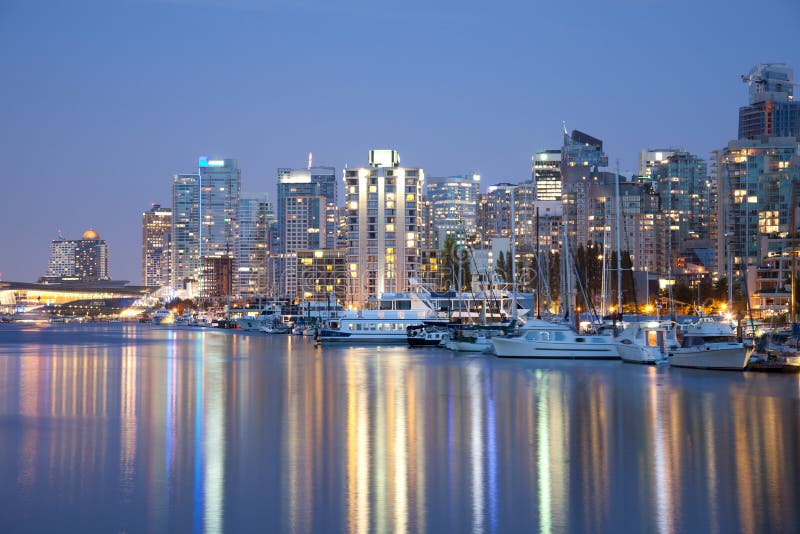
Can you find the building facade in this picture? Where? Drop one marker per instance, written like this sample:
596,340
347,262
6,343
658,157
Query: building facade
383,203
255,217
453,206
205,207
546,175
81,259
682,183
156,246
758,188
771,110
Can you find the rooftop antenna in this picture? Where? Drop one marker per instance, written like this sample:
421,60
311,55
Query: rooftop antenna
310,158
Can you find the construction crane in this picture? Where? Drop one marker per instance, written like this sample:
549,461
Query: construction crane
756,75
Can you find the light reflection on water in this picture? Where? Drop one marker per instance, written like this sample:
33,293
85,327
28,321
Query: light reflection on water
135,428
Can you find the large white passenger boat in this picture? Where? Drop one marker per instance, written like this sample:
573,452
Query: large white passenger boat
385,320
710,344
542,339
647,342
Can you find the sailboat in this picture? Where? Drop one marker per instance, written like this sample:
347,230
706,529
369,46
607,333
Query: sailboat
543,339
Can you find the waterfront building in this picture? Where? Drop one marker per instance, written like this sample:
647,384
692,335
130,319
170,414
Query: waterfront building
681,181
205,207
156,246
758,185
256,214
771,110
383,203
306,210
322,273
453,206
546,175
494,213
216,280
582,157
78,259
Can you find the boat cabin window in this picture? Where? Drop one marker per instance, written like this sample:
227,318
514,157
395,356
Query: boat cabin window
598,340
385,305
580,339
531,335
652,338
403,305
544,336
380,326
558,336
358,326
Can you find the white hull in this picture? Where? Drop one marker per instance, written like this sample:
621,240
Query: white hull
364,338
468,346
249,325
599,348
734,358
638,354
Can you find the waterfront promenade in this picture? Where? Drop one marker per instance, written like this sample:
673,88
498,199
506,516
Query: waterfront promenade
140,428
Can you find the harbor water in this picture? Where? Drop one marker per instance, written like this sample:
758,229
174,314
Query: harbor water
141,428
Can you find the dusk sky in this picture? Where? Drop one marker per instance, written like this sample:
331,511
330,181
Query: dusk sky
101,102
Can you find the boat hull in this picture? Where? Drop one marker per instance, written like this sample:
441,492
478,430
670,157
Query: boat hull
638,354
734,359
468,346
521,348
335,337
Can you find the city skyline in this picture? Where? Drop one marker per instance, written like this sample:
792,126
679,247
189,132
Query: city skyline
100,131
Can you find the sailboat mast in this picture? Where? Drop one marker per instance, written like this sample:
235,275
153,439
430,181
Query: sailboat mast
619,249
513,258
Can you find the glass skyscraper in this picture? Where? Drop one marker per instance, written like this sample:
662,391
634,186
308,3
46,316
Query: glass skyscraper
205,207
453,206
156,246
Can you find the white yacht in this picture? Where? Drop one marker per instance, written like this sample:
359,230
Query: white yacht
542,339
386,320
647,342
255,320
163,316
709,344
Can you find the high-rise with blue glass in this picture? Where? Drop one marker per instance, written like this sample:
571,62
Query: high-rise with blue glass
205,207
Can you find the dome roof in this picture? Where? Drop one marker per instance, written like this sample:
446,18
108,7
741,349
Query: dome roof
90,234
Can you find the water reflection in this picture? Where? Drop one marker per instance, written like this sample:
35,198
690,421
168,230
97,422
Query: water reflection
135,428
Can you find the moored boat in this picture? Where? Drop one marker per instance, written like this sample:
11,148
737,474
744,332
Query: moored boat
710,344
646,342
542,339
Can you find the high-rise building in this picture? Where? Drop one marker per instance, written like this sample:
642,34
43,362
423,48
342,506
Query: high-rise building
453,206
322,273
205,206
650,157
681,181
255,216
156,246
771,110
306,219
582,157
79,259
546,175
758,185
383,205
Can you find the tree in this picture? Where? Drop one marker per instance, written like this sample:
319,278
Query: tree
466,272
500,267
449,262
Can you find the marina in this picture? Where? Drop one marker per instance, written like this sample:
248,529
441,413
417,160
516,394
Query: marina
129,427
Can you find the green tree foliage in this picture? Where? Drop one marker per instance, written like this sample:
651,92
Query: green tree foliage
500,265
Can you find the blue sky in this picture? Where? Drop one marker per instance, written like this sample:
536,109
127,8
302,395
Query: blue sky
101,102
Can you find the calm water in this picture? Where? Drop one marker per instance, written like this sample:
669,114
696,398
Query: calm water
140,428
